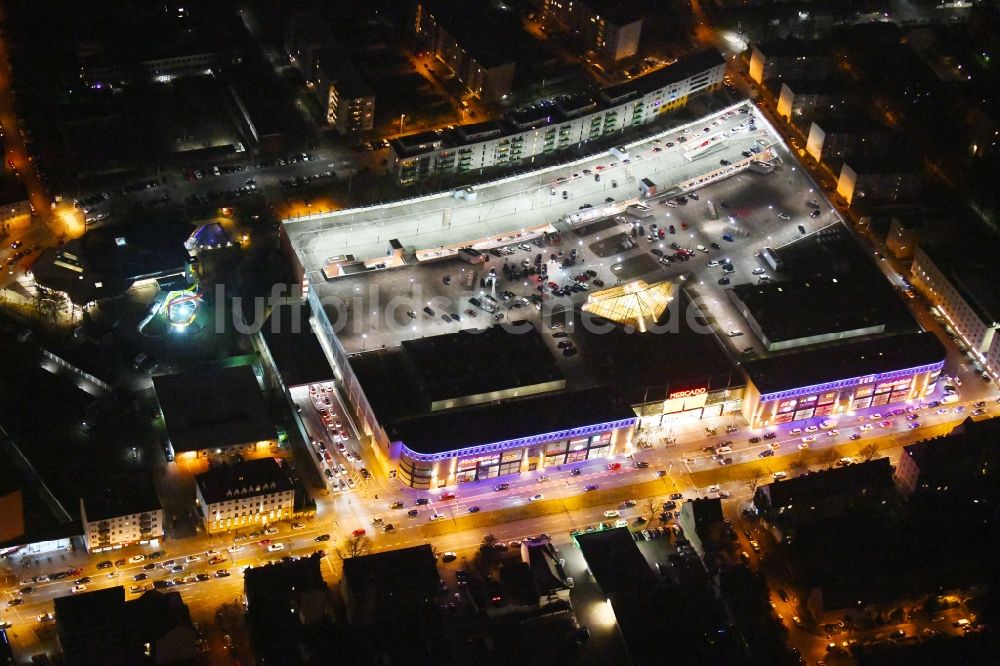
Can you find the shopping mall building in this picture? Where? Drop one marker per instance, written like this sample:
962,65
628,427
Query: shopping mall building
831,380
466,406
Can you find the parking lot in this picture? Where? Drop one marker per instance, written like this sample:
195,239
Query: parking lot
333,444
713,234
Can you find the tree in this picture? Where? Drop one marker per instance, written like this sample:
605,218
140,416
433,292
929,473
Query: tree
489,542
869,451
356,546
487,559
754,480
652,507
799,466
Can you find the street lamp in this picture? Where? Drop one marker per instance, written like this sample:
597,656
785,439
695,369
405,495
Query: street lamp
401,117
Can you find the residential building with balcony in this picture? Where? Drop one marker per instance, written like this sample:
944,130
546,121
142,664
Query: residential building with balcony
121,512
522,137
348,99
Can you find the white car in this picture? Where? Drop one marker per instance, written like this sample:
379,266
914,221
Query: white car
621,522
436,517
832,433
812,428
795,431
535,498
865,427
803,446
235,549
275,547
808,438
713,489
79,588
611,514
271,530
192,558
135,559
779,475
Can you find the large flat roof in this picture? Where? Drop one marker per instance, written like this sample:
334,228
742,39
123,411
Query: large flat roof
456,429
828,363
213,408
816,306
833,252
626,580
479,361
120,497
294,347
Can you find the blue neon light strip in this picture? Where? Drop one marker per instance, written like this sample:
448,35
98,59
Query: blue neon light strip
506,445
847,383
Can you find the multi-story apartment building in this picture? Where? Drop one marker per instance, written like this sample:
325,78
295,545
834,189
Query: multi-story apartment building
960,283
895,177
521,137
799,100
790,58
348,99
833,138
120,513
255,492
612,29
476,41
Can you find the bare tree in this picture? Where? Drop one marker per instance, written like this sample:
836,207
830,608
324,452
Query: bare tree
357,546
799,466
653,507
828,456
754,480
869,451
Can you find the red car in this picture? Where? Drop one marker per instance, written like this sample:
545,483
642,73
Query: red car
358,533
447,496
614,466
553,285
684,225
